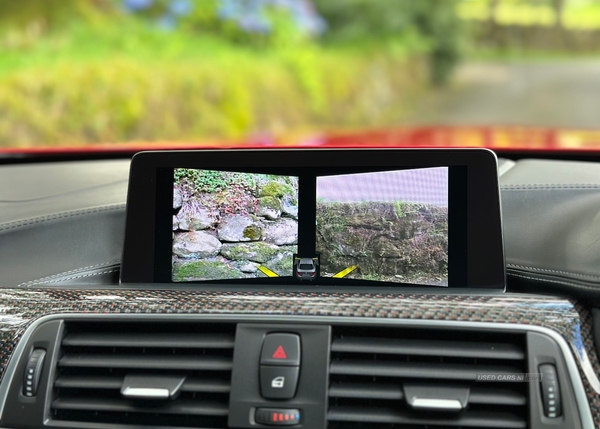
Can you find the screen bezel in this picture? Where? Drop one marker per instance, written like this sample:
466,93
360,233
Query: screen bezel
145,234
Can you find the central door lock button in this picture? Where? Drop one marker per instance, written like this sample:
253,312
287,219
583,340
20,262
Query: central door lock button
281,349
278,382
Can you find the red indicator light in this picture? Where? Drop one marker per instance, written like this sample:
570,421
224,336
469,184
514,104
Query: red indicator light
280,353
277,416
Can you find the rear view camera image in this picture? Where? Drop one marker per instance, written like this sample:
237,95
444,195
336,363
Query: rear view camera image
389,226
229,225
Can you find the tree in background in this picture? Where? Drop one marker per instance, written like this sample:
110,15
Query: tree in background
51,14
420,25
437,21
25,23
427,23
432,23
129,70
533,25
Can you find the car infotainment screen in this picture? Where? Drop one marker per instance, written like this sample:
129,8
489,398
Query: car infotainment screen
315,218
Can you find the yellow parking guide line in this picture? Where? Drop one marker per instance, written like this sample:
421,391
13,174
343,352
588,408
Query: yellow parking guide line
267,271
345,272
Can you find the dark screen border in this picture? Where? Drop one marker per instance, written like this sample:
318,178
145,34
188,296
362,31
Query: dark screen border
485,259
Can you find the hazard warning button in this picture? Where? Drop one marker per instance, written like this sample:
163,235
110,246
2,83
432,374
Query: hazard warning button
281,349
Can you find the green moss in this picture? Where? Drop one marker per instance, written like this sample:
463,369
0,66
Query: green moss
204,270
400,209
282,264
253,232
270,202
257,252
331,218
387,239
275,189
292,248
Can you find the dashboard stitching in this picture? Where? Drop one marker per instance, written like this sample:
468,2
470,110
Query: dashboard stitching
555,281
546,187
33,221
75,191
553,271
73,278
66,273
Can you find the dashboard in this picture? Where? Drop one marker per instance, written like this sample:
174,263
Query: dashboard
79,349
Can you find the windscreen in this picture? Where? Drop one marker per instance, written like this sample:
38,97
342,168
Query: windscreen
119,76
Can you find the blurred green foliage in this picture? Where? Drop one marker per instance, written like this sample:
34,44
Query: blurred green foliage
203,19
87,71
54,14
77,72
530,29
571,14
106,85
420,26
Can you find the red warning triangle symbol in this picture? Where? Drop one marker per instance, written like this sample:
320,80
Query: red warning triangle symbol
279,353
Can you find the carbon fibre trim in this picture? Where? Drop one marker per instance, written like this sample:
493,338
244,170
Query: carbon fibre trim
571,321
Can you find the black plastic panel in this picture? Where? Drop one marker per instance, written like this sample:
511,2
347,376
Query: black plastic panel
311,394
22,411
544,350
476,255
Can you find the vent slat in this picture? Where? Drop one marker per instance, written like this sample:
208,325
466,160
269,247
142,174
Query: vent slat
467,419
365,391
418,369
203,408
373,370
428,348
215,386
171,362
496,396
96,357
82,382
190,384
171,340
394,392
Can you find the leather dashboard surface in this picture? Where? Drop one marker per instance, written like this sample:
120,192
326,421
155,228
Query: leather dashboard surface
551,217
61,235
50,213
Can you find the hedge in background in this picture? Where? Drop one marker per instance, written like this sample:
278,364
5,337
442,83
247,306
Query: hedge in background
227,96
74,72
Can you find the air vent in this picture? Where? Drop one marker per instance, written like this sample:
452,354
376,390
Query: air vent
411,379
151,374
